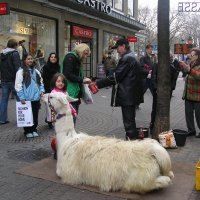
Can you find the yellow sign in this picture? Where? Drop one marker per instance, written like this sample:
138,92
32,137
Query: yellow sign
182,48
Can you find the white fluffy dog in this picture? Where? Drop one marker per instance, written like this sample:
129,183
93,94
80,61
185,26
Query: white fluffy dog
108,163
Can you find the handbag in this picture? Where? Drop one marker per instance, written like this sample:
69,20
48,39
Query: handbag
86,94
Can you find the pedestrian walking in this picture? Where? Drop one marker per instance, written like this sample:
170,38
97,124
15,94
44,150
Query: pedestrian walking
191,93
146,63
109,64
154,80
49,70
127,86
72,68
9,64
29,87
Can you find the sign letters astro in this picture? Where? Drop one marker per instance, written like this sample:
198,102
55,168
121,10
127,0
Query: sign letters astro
4,9
100,6
82,32
189,7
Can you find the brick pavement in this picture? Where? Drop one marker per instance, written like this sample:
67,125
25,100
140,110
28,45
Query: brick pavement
98,118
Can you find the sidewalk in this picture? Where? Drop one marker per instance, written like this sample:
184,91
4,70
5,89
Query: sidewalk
97,119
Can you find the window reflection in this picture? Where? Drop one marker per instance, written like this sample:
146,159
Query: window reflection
130,7
118,5
109,2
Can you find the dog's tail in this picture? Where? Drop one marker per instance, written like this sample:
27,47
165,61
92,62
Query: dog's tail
163,159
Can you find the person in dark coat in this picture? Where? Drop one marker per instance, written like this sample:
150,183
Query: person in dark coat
9,64
146,63
50,68
127,86
154,78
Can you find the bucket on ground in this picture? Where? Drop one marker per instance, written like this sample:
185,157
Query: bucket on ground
180,136
198,176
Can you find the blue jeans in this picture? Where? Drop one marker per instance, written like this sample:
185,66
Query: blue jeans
7,88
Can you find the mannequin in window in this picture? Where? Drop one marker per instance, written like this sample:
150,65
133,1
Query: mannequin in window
22,50
39,58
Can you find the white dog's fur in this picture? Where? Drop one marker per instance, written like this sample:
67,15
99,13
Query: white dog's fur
108,163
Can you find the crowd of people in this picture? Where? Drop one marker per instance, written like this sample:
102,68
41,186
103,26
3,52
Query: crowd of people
129,77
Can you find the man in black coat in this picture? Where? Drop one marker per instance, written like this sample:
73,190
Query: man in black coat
127,86
9,64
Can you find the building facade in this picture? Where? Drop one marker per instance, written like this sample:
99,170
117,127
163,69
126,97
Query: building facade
54,25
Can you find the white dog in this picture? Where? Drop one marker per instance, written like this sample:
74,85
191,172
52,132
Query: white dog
108,163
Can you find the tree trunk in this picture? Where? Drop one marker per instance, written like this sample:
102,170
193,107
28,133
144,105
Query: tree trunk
162,122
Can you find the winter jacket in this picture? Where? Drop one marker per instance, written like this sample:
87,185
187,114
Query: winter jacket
48,72
73,72
9,64
129,79
146,65
154,77
29,90
192,85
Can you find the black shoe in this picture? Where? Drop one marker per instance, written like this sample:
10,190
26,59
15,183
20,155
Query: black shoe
55,156
192,133
50,125
6,122
198,136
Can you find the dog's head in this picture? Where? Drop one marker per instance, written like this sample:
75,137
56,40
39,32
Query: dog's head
58,100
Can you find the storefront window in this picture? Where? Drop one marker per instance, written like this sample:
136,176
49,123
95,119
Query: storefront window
118,5
108,2
38,32
109,41
76,34
130,7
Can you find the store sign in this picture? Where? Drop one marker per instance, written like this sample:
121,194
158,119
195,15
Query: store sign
4,9
82,32
25,31
182,48
100,6
189,6
132,39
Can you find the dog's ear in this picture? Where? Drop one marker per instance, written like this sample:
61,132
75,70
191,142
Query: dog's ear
70,99
45,97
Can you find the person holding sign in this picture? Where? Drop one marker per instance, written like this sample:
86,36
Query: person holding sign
29,87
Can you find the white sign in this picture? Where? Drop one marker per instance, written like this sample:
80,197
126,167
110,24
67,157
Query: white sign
24,114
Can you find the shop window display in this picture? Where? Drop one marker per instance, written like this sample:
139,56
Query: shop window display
38,32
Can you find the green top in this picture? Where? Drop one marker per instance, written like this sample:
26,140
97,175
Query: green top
73,88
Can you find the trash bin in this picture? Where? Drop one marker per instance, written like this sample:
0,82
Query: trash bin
180,136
